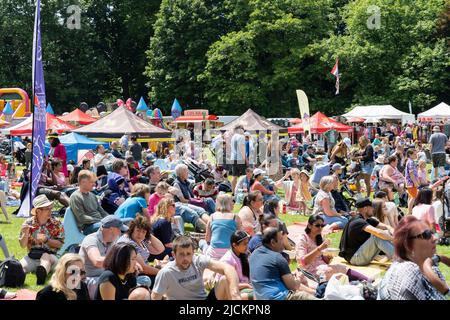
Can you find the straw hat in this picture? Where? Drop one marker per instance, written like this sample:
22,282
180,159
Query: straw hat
41,201
436,129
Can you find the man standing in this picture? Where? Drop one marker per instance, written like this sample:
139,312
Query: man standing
249,148
364,237
270,274
182,279
438,140
136,149
238,158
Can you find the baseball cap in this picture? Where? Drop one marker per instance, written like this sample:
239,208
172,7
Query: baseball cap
336,167
112,221
258,171
363,202
247,134
348,142
150,157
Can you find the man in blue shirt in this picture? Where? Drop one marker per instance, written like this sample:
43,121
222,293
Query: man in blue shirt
270,274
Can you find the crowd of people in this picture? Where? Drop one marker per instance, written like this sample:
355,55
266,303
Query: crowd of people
132,207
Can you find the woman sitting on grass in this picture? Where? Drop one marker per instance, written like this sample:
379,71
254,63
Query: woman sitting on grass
222,225
136,204
139,235
310,254
162,227
119,277
67,282
238,259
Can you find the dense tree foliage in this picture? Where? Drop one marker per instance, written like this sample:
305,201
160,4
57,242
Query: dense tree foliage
229,55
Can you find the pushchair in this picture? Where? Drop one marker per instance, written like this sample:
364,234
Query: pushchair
200,174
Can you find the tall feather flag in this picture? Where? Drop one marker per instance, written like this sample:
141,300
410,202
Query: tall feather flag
303,105
39,116
176,109
335,72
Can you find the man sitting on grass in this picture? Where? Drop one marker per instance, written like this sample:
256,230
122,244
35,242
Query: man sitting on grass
364,237
95,247
270,274
182,279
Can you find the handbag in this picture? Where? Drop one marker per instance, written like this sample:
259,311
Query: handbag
36,253
197,202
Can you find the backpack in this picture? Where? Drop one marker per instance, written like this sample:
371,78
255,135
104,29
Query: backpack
11,273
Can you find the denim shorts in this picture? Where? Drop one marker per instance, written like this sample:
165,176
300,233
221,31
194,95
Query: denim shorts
367,167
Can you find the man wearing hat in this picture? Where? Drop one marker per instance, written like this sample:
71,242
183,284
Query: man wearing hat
149,161
95,247
42,235
364,237
438,140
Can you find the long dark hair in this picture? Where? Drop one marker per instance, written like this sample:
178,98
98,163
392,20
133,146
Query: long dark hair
55,142
425,196
271,206
250,197
236,238
312,219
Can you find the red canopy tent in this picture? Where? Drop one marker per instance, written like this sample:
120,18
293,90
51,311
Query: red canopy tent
53,124
320,123
78,116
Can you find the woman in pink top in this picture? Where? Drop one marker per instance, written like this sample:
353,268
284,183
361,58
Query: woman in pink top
309,253
237,258
58,150
423,208
161,189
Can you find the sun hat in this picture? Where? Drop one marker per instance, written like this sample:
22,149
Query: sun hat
336,167
41,201
258,171
306,173
436,129
112,221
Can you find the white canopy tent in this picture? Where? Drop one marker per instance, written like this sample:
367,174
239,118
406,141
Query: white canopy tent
441,111
380,112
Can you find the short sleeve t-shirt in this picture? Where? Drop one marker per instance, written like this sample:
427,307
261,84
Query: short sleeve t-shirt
438,141
266,272
236,141
122,287
94,240
354,236
162,229
179,284
255,242
424,212
131,207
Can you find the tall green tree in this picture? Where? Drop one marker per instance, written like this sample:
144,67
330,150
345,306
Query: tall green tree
184,31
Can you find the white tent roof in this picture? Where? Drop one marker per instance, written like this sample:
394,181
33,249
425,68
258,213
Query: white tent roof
442,110
380,112
22,123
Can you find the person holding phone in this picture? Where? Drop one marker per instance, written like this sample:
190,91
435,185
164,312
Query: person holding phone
42,235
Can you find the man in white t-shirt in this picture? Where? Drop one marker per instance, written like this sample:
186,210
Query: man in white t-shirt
182,279
238,157
103,158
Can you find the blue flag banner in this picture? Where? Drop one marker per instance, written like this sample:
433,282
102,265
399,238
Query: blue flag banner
39,114
176,109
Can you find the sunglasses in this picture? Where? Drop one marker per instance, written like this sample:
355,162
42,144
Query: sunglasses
319,225
426,235
82,272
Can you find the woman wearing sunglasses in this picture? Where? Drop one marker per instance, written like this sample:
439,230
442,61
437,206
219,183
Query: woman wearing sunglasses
414,274
310,253
67,281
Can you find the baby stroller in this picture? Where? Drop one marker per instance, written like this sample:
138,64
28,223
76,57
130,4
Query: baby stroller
200,174
444,221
